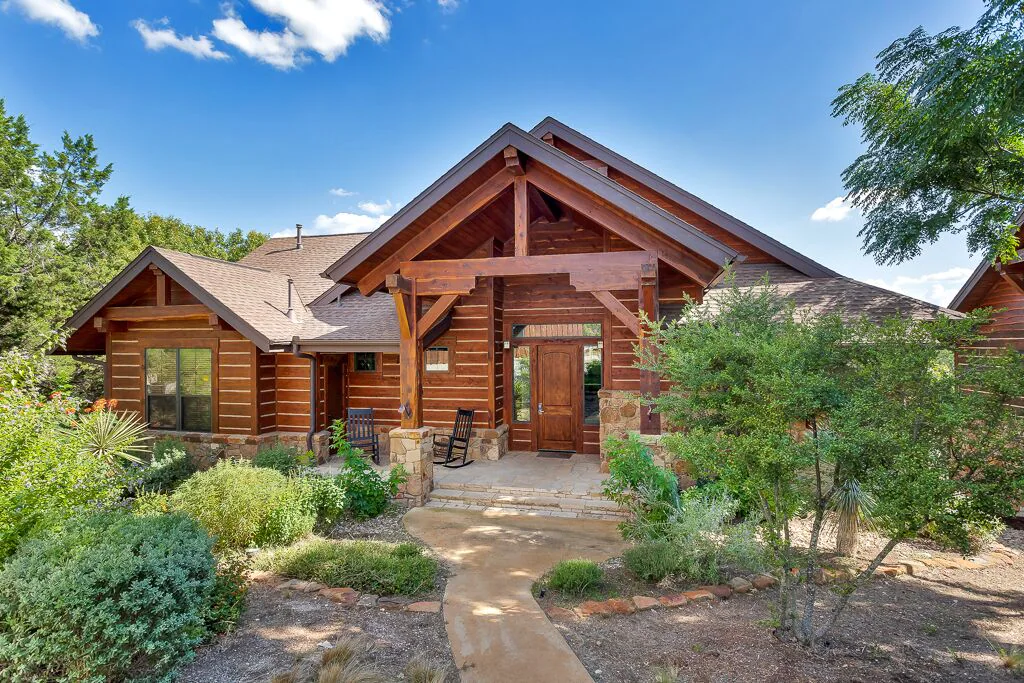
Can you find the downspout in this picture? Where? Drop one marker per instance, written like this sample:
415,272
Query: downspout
312,390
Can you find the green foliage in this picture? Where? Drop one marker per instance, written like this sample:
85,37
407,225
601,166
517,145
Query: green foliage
110,597
148,503
47,471
651,561
244,506
111,436
785,410
942,120
367,494
283,458
227,598
634,481
59,244
170,465
575,577
323,496
367,566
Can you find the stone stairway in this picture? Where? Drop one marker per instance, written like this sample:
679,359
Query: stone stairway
530,500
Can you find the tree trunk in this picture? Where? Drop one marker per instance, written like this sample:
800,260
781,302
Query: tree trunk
846,533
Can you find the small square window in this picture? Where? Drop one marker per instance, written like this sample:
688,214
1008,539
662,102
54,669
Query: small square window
435,359
365,362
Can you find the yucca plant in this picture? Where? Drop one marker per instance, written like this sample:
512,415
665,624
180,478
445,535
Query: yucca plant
852,508
112,436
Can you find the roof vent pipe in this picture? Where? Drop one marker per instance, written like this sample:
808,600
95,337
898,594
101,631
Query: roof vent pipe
298,235
291,309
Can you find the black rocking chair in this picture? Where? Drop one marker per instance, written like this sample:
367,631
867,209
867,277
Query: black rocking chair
360,432
446,446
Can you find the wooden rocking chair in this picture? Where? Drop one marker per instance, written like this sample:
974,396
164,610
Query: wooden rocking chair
447,446
360,432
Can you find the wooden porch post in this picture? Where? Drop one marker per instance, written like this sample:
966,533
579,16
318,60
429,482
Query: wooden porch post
650,383
410,350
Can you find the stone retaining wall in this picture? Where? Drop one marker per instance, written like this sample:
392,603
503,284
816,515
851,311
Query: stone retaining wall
206,449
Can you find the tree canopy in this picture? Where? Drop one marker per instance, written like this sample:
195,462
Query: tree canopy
942,117
788,411
59,243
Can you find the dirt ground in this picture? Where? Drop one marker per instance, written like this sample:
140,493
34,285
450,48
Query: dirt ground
945,625
279,633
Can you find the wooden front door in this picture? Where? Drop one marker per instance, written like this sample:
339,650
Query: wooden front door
559,388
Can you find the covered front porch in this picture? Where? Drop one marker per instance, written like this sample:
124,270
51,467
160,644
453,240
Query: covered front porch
528,481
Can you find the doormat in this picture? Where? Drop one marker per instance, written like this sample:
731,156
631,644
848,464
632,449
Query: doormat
560,455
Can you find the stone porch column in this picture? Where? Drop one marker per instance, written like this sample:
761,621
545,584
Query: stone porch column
413,448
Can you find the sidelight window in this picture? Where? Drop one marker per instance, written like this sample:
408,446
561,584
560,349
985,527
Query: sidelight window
521,384
593,373
179,389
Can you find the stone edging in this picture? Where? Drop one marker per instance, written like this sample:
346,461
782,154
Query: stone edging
349,597
998,555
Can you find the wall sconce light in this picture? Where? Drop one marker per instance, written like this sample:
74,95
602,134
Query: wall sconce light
600,344
506,344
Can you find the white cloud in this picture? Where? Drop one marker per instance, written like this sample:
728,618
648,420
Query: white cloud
836,210
200,47
327,27
375,208
341,192
339,223
448,5
278,49
75,24
938,288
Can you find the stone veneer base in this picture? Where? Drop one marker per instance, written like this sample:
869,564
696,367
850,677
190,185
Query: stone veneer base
207,448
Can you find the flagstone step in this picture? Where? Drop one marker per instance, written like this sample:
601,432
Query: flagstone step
527,500
584,490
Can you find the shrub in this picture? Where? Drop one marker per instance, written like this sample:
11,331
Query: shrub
367,566
634,481
243,506
111,596
703,539
47,470
576,577
322,496
151,503
651,560
229,591
367,494
284,459
169,465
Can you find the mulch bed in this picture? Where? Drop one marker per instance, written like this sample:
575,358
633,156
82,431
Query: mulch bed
286,630
938,625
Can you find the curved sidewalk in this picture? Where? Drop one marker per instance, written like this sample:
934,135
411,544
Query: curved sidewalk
498,632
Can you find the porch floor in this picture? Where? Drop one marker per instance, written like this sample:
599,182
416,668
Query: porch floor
521,471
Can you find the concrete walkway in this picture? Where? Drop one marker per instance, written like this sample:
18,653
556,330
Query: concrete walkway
497,631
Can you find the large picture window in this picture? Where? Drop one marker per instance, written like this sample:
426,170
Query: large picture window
179,389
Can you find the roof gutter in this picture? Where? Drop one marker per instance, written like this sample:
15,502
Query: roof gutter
312,390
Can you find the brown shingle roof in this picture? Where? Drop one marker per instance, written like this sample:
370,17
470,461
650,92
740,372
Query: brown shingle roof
304,265
825,295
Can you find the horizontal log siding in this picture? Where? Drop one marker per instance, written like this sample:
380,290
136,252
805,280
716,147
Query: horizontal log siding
466,384
498,352
377,390
266,399
236,372
1007,326
291,384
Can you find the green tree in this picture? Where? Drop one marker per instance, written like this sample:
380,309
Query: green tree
785,410
59,244
942,117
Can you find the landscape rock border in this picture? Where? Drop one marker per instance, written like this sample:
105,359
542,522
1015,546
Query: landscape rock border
349,597
997,555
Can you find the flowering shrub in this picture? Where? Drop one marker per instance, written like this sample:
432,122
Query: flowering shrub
47,469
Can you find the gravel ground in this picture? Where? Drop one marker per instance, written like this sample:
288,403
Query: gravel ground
279,633
943,626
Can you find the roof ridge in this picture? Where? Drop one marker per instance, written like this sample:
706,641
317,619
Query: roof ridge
165,251
892,292
333,234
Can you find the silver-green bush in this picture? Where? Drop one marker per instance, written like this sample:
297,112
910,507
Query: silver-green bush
110,597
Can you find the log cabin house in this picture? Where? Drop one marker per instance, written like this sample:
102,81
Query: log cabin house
511,286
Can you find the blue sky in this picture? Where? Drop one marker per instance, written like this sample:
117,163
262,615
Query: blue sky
249,113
